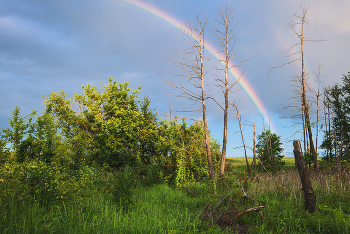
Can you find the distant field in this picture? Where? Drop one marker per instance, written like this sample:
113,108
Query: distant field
240,165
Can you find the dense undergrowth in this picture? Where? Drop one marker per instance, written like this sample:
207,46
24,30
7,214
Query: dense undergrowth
102,201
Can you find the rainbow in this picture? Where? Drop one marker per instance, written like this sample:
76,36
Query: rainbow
163,16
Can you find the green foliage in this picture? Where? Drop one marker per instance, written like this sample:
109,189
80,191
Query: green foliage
309,158
54,165
337,103
186,152
40,182
110,128
269,150
31,140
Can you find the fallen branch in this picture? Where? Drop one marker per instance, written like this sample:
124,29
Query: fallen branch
258,208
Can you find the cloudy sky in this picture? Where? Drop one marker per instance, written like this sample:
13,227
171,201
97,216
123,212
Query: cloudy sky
47,46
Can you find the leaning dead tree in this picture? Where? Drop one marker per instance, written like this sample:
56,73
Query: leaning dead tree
192,65
310,198
226,38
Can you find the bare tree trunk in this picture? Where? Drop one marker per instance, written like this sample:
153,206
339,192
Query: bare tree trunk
334,139
207,142
245,150
312,148
341,146
254,152
304,129
318,106
303,81
193,66
310,198
226,40
325,120
203,97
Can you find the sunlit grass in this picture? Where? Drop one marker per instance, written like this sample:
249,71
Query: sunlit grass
158,209
165,209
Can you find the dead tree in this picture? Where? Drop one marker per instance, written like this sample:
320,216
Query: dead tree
254,151
297,25
227,40
238,116
192,65
310,198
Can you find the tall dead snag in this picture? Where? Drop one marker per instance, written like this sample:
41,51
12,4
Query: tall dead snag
301,21
226,40
192,65
297,25
310,198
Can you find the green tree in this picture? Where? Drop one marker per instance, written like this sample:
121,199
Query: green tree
336,140
269,150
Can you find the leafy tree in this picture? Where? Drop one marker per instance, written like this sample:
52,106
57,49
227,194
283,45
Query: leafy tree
336,140
32,138
269,150
112,128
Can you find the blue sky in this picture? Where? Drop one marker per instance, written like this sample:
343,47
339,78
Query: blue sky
47,46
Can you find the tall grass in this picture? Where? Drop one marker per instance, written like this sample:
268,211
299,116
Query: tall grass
158,209
193,208
285,208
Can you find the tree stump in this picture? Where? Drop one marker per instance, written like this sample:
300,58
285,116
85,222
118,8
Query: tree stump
310,198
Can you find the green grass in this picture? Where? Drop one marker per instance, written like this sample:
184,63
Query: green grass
194,208
158,209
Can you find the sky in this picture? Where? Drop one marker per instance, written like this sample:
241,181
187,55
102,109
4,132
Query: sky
46,46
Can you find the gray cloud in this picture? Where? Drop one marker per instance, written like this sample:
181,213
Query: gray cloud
59,45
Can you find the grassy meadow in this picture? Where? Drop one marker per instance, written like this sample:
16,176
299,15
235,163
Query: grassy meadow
191,208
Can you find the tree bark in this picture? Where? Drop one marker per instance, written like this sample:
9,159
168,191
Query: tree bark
226,40
254,152
304,102
245,150
206,130
192,64
310,198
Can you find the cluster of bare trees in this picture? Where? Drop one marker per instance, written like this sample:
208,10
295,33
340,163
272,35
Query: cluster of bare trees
194,71
192,62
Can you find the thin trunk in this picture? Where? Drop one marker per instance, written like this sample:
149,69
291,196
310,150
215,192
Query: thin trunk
329,125
325,120
271,154
254,152
312,149
326,125
245,150
303,121
223,154
307,117
318,107
341,145
206,130
226,40
334,137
